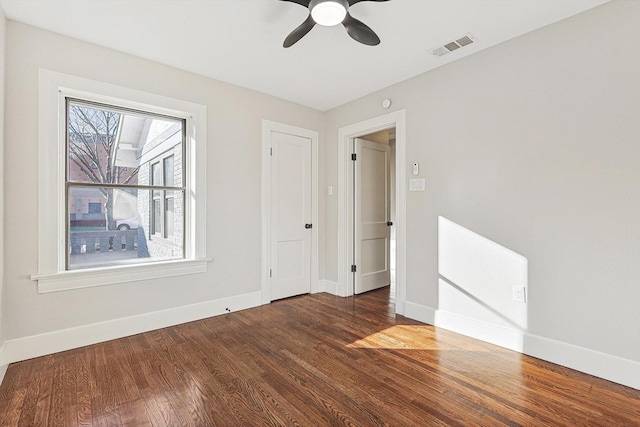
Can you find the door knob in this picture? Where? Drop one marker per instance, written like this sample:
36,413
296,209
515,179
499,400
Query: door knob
389,223
308,225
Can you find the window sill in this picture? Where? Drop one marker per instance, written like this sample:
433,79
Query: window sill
76,279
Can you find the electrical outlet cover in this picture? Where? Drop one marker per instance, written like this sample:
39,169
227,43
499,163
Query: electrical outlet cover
519,294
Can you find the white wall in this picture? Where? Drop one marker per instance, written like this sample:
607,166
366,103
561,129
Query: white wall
533,145
233,184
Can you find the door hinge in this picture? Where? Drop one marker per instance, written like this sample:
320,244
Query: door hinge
271,151
270,273
353,268
353,157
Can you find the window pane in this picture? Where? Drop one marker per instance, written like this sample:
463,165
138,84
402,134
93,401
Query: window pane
169,218
95,208
157,217
108,146
155,174
169,171
119,234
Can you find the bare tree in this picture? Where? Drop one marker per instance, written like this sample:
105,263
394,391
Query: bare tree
93,140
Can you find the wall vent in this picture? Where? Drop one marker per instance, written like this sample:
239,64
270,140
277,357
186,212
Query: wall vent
463,41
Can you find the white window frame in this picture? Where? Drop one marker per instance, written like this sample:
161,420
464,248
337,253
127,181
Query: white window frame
52,274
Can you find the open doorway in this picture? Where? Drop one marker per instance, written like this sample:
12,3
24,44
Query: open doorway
346,202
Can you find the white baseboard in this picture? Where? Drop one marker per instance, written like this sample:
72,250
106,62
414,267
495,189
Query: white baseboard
3,370
421,313
67,339
3,363
609,367
401,306
330,287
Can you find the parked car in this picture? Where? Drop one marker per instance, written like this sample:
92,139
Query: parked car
127,224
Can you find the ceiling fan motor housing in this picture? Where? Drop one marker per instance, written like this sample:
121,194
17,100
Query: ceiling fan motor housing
314,3
329,14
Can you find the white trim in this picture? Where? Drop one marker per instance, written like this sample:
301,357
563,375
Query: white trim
3,371
66,339
421,313
488,332
4,364
603,365
330,287
612,368
267,128
53,88
75,279
346,134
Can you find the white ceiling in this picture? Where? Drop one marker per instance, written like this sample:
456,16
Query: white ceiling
240,41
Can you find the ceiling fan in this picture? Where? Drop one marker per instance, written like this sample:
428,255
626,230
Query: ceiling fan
329,13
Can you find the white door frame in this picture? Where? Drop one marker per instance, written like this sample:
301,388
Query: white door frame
346,135
267,128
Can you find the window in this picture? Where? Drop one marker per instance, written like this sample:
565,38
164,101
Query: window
128,201
163,219
94,208
156,212
121,142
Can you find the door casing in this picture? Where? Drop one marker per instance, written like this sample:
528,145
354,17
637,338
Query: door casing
267,128
346,135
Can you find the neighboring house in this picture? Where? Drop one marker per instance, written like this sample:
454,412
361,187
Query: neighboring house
161,211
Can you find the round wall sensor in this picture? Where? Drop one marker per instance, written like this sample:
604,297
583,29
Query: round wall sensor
386,103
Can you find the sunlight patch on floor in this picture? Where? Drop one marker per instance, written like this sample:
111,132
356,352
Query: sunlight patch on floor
404,337
423,337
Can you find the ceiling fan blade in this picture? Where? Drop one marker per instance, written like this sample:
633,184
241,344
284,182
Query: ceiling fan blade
352,2
360,32
299,32
304,3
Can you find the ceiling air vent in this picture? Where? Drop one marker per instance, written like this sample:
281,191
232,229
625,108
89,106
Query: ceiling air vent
463,41
452,46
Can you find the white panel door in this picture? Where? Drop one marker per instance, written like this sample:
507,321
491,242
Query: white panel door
372,212
290,215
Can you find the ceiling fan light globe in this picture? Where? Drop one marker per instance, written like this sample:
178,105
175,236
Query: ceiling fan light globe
328,13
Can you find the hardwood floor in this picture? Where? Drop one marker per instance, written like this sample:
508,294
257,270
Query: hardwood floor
315,360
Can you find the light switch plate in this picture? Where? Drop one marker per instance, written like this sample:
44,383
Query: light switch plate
416,184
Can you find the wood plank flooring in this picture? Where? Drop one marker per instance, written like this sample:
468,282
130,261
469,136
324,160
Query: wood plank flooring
314,360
